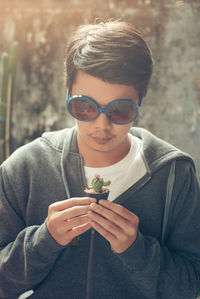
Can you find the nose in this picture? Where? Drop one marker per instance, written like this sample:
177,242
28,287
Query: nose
102,121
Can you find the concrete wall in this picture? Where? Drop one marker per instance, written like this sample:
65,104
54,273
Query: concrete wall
172,106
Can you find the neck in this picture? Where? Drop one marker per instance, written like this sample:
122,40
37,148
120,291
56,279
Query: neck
98,158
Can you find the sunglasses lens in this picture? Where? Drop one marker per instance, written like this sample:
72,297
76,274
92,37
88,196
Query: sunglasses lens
122,112
82,108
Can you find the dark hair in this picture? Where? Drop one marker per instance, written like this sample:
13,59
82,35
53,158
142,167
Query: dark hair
113,51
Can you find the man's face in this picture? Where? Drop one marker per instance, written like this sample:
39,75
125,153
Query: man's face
100,134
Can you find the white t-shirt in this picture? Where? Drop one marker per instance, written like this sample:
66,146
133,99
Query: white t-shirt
122,174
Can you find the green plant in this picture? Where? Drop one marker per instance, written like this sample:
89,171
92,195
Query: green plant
9,65
98,183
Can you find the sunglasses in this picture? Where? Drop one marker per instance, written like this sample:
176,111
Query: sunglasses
84,108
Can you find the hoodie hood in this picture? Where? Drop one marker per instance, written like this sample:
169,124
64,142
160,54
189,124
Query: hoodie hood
156,152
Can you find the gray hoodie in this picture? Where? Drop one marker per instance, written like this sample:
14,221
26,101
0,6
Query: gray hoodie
50,169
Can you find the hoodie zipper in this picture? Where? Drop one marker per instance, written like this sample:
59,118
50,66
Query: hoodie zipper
90,266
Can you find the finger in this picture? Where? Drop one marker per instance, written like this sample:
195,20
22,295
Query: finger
68,236
68,203
78,231
73,212
106,225
105,233
118,245
118,209
110,215
76,222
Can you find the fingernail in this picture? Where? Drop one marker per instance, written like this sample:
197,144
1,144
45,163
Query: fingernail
92,204
103,202
92,199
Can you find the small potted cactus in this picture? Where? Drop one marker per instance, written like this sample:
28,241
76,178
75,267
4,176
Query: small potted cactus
98,189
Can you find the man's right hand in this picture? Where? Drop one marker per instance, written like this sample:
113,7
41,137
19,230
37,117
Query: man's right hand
68,219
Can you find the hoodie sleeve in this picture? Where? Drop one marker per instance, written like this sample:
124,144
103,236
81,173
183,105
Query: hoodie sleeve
24,258
171,270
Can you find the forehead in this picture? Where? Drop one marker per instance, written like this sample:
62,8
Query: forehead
103,92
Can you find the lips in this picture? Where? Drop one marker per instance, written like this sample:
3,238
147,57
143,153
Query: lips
101,140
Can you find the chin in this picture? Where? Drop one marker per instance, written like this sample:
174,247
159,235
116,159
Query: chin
101,148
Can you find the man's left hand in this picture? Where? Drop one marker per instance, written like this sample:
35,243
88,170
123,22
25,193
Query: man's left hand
115,223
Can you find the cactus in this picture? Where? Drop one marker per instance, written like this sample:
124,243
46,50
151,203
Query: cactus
6,98
98,183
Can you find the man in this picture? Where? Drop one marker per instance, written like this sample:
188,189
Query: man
47,223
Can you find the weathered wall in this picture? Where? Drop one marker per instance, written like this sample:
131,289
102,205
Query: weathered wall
172,106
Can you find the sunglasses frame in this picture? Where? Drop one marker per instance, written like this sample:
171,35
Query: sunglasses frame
101,110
